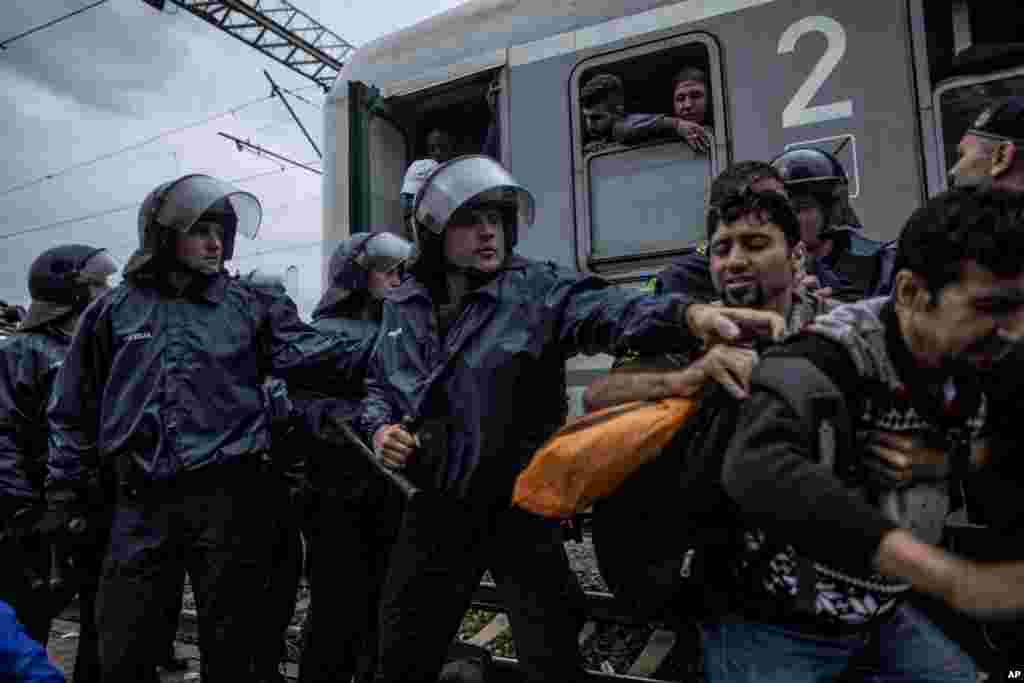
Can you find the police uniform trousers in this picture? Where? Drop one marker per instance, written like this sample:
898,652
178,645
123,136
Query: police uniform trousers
351,535
214,524
443,547
281,584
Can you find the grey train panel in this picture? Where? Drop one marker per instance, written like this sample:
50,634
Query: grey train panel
860,54
873,75
540,155
666,185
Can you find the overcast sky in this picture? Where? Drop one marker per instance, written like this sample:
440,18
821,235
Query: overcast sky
123,73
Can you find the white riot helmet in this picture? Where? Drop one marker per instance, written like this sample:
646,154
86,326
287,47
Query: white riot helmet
177,205
467,181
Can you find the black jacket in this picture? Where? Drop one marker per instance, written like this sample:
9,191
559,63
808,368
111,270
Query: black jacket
174,382
28,364
498,376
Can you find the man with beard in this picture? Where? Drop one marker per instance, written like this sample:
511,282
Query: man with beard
755,261
466,380
605,121
831,551
62,281
162,385
643,530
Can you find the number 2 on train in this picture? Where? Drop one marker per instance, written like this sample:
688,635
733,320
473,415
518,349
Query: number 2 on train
797,112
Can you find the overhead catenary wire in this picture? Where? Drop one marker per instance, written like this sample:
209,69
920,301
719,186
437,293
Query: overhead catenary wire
117,209
36,29
260,151
132,147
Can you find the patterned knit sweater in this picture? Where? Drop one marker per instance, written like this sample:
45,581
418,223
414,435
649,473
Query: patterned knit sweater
815,526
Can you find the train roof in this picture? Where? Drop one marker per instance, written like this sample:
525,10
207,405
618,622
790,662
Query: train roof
473,34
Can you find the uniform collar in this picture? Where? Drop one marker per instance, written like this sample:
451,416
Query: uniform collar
209,289
412,287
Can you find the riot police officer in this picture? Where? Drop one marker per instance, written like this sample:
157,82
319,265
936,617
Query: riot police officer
466,380
356,508
162,383
62,281
840,259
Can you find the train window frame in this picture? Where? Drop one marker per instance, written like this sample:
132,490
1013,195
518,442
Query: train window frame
953,84
645,261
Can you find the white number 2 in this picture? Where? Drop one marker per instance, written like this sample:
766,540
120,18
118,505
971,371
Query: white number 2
797,113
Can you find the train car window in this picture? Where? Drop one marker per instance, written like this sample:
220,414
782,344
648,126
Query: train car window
645,200
647,127
960,101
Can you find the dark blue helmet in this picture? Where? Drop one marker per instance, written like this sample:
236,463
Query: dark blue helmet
59,281
808,165
814,177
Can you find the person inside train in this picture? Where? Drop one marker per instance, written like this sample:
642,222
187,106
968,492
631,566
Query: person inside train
492,139
605,121
832,549
474,330
440,148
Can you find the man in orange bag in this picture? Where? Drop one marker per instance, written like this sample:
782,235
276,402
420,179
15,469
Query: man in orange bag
661,538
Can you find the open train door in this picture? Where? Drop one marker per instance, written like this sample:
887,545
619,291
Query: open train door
378,157
366,157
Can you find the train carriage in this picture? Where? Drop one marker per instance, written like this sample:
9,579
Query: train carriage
890,85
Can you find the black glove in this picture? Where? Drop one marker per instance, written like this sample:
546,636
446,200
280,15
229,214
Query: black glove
62,520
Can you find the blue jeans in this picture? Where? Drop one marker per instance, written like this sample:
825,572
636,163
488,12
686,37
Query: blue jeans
906,648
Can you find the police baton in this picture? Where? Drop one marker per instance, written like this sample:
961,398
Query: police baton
407,487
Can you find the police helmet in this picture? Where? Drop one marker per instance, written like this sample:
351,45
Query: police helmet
807,165
177,205
353,259
59,280
467,181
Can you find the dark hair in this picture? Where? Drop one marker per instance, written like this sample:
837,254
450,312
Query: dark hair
601,88
964,224
733,181
690,73
738,177
771,206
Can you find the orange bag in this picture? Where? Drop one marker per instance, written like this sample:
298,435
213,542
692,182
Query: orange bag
591,456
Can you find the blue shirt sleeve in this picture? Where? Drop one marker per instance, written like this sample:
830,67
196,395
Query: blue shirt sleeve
22,660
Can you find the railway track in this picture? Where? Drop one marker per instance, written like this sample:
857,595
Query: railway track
614,646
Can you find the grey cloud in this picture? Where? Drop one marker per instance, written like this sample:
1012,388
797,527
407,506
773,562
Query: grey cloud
109,56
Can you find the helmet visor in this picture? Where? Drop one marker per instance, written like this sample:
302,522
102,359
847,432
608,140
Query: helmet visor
473,179
384,252
98,268
190,197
